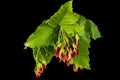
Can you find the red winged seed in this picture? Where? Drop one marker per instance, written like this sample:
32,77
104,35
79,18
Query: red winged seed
41,70
44,66
61,56
73,54
69,56
75,50
57,54
74,68
77,42
68,63
58,49
38,74
65,58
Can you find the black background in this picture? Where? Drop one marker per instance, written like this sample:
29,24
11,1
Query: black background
24,17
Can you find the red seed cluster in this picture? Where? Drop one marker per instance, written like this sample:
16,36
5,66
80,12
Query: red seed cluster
67,51
40,71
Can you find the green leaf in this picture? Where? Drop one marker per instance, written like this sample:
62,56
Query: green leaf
69,18
82,20
82,59
55,20
92,30
41,37
71,28
48,53
84,33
